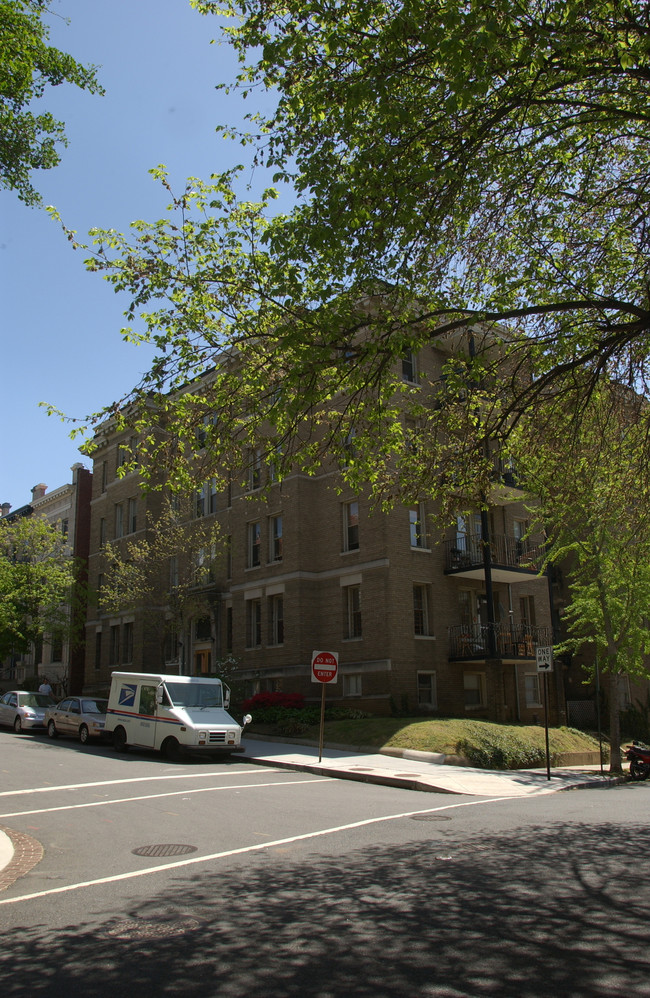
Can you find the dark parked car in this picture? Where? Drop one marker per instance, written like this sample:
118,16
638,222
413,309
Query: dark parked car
83,717
22,710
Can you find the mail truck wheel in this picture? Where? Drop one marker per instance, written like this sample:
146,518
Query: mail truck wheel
119,740
172,750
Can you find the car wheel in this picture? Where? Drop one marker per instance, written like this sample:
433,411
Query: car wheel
84,734
51,729
18,725
119,740
172,750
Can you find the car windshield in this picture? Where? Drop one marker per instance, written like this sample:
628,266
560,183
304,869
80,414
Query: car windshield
94,706
195,694
35,700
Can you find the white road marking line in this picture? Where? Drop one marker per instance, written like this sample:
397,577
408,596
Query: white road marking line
171,793
131,779
178,864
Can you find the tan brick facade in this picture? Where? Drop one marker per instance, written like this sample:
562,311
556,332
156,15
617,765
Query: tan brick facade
379,589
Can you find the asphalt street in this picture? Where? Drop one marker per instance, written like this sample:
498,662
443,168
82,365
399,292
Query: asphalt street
232,879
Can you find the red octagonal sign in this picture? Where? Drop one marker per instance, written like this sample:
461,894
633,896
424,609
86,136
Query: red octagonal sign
324,666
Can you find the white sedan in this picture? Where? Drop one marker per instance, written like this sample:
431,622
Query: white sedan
22,710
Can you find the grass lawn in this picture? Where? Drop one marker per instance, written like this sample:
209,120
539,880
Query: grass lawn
483,743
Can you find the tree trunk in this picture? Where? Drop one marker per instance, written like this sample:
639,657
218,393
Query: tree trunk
614,725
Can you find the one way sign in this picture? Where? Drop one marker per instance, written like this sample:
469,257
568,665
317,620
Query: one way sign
544,656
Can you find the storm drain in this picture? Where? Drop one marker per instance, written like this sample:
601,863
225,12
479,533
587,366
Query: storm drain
429,817
166,849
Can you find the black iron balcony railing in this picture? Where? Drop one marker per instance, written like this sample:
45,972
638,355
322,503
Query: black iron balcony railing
511,641
465,551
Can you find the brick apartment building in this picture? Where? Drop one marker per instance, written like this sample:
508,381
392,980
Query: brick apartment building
422,622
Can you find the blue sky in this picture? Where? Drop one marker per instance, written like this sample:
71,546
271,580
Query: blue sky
60,325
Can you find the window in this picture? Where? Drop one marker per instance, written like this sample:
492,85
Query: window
352,685
64,527
474,686
352,611
119,521
229,627
229,557
56,651
147,703
127,642
255,470
104,475
202,629
132,516
527,610
254,544
275,466
126,453
275,538
102,532
532,692
351,526
173,572
253,623
421,610
206,498
409,367
171,644
417,526
276,619
114,647
98,650
427,690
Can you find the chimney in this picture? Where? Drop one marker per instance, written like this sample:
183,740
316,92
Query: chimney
6,506
38,491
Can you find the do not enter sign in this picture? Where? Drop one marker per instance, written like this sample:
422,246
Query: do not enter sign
324,666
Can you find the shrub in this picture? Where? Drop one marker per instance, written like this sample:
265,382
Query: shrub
290,701
500,749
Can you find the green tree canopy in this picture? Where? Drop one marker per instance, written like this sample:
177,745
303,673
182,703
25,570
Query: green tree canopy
28,65
476,165
589,482
37,576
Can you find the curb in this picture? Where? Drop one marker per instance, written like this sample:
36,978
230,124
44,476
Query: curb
383,779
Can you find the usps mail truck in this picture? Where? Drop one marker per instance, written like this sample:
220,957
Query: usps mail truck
175,714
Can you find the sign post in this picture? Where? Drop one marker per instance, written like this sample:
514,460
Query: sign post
324,670
544,657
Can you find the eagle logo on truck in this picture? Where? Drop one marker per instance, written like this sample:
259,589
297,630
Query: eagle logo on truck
127,696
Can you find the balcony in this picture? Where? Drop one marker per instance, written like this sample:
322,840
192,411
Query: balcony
511,559
512,643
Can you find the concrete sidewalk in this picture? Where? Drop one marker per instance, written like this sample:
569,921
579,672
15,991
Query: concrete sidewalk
426,771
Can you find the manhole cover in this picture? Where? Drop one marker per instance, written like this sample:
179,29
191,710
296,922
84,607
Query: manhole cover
164,850
142,928
429,817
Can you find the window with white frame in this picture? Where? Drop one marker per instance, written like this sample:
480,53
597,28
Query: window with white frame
254,543
352,685
132,515
127,642
421,625
474,687
275,538
417,527
254,470
351,526
532,690
409,367
253,623
276,619
427,690
352,611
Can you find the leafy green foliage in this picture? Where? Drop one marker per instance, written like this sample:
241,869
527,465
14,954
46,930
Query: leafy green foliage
456,165
37,577
28,65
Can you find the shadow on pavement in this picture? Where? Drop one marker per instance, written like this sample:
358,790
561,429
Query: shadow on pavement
559,911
